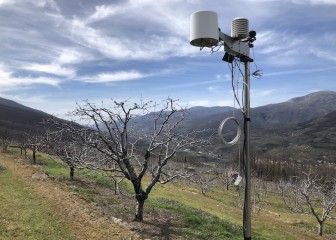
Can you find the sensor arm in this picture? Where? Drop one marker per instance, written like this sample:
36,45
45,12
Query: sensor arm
236,47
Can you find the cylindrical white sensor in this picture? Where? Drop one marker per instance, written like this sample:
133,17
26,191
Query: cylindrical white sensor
240,28
204,29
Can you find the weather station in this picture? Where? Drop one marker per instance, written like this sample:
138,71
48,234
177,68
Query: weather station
204,33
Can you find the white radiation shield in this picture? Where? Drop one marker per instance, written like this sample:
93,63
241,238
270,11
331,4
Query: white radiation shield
204,29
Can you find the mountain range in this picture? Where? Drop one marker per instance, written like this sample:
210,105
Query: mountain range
303,125
15,117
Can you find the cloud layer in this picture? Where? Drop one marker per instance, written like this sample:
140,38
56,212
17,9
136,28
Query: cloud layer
142,46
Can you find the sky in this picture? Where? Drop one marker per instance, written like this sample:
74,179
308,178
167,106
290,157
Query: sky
56,53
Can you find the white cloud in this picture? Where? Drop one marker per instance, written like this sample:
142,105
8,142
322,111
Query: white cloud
110,41
328,55
298,71
53,68
10,82
121,47
114,77
213,89
6,2
323,1
104,11
209,103
71,56
57,66
298,1
223,77
263,93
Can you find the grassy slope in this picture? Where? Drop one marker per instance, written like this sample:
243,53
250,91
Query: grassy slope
22,215
33,209
274,222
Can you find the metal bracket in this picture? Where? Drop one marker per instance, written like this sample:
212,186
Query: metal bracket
236,47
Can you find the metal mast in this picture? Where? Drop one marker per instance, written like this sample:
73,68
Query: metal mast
247,159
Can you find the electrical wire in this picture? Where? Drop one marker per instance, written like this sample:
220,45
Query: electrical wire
217,47
258,73
236,73
235,83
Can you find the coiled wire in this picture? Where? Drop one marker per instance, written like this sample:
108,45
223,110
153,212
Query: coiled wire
220,131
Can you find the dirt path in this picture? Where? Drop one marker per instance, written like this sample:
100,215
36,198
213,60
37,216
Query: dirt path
84,220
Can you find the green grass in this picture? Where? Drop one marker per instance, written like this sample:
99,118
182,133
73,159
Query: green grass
22,215
53,167
219,218
198,224
273,222
101,178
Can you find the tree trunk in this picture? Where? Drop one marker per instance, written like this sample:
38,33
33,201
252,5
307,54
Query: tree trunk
72,173
139,208
320,228
34,157
116,187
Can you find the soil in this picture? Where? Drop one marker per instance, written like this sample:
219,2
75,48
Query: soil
102,214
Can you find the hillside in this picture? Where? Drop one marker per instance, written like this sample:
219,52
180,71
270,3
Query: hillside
280,115
294,111
87,208
16,118
295,125
301,123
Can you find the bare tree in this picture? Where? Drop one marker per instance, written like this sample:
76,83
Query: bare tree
6,139
139,150
206,179
259,192
226,174
35,141
22,144
68,147
308,195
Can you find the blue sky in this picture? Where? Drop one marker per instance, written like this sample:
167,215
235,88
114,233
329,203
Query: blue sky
56,53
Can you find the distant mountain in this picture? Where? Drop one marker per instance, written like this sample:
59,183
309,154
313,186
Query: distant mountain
301,123
17,118
204,117
195,117
294,111
15,105
318,133
304,124
280,115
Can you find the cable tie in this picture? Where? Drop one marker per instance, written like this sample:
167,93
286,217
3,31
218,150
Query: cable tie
247,119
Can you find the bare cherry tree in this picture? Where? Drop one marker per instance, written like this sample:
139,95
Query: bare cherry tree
139,149
227,174
308,195
68,147
205,179
22,144
35,141
6,139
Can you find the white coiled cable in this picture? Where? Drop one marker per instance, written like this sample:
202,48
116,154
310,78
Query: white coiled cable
220,131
